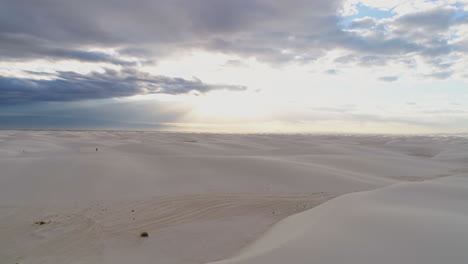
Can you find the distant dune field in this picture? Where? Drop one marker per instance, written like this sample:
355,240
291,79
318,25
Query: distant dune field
87,196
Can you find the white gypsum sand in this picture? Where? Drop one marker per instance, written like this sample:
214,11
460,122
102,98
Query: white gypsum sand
418,223
85,197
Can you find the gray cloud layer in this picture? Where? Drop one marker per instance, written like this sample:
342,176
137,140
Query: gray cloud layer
147,30
263,28
71,86
37,28
150,29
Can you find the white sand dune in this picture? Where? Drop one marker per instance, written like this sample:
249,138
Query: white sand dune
424,222
205,197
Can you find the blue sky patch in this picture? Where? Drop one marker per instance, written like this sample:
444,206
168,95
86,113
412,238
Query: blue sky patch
366,11
460,14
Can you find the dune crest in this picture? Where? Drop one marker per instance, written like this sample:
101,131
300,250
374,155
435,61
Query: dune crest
425,222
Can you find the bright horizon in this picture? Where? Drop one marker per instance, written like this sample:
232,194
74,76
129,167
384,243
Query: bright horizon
260,66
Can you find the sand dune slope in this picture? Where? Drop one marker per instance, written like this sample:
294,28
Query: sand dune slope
418,223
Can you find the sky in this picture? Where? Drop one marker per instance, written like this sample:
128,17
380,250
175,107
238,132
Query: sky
259,66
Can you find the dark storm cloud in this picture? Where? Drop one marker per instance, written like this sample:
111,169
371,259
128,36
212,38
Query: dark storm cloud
23,48
71,86
261,28
272,31
87,56
149,26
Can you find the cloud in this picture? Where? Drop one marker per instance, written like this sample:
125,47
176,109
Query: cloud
365,22
71,86
436,19
332,72
440,75
272,31
19,47
429,42
388,78
88,56
235,63
149,26
276,32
